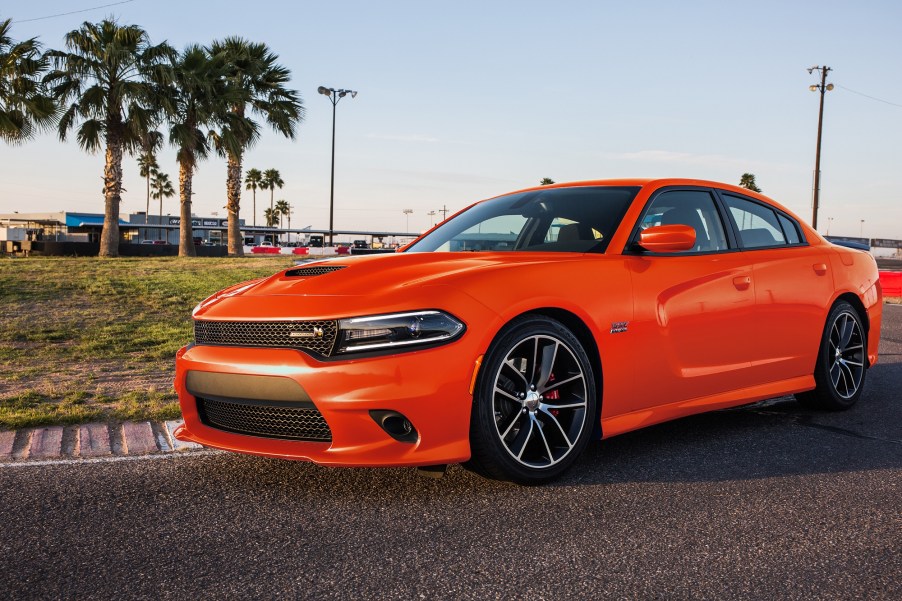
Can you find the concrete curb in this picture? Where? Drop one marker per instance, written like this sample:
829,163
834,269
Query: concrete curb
91,441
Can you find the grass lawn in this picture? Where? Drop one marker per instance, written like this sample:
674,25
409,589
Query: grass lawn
88,339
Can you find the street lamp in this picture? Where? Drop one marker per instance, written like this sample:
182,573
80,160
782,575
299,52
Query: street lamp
829,223
407,213
822,88
861,231
334,96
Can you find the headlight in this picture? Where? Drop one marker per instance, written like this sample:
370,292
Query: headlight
397,330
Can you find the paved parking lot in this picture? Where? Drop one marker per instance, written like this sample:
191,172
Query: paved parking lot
766,501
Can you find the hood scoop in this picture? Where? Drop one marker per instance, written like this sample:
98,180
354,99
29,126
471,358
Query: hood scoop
308,272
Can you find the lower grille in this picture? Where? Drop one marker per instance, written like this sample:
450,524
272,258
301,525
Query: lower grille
290,421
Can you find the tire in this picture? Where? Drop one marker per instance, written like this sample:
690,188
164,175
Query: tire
841,366
534,403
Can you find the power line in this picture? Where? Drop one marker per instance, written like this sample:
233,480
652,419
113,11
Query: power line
867,96
74,12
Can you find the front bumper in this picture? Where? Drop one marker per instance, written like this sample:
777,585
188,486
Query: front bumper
429,387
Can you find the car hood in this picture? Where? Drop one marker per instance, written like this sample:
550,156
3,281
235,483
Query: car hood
368,284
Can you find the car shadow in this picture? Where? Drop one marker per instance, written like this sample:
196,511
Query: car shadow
771,439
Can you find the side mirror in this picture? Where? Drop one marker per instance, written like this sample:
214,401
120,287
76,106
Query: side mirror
667,238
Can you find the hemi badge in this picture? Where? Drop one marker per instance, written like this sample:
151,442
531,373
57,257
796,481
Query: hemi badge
618,327
316,333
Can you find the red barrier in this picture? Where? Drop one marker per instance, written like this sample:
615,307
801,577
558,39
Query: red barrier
891,281
266,250
301,250
343,250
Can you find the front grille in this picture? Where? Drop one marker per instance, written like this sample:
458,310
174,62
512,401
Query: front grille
290,421
315,336
306,272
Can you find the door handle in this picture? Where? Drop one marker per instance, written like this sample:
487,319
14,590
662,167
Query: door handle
742,282
820,268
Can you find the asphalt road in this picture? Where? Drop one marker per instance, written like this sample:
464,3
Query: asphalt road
763,502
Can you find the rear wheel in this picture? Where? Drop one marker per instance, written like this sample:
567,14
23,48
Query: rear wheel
534,403
841,362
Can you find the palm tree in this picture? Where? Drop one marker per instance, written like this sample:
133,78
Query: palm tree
747,181
104,75
258,83
192,103
151,141
270,216
272,179
147,166
254,178
25,105
162,188
546,181
283,209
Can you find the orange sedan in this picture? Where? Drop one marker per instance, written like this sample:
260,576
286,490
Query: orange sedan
525,326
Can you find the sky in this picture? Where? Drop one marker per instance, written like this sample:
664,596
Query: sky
465,100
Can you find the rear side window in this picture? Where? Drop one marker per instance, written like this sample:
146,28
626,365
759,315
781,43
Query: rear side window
758,225
790,229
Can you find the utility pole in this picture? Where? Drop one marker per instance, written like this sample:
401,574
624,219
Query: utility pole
444,211
822,88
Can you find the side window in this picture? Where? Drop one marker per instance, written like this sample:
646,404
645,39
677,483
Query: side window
694,208
790,229
758,225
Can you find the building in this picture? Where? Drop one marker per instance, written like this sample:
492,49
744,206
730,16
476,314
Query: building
65,226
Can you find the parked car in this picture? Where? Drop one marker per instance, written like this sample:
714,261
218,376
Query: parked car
531,324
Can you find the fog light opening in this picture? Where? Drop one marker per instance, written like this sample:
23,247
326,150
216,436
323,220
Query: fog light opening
395,425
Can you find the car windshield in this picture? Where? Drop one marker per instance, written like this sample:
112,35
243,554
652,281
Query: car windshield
577,219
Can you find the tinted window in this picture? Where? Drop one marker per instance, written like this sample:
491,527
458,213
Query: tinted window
694,208
790,229
579,219
758,225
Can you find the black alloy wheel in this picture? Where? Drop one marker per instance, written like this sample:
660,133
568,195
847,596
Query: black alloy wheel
841,362
535,403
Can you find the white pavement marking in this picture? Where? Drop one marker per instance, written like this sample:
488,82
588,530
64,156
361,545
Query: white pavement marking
179,445
115,459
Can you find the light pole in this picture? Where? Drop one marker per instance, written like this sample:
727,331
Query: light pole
334,96
861,231
407,213
822,88
829,223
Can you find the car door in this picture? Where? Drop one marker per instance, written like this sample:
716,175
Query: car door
793,288
693,309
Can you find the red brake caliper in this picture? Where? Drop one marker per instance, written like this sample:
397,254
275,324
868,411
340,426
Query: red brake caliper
553,395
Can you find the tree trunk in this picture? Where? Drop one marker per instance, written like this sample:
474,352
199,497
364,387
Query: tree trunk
233,205
186,231
112,188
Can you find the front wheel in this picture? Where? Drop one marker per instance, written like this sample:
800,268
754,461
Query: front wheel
534,403
841,361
